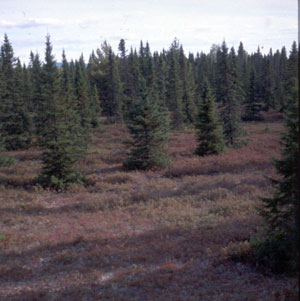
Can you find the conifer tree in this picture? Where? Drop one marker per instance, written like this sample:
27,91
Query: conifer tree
188,86
135,79
62,142
174,91
280,246
27,89
124,74
253,105
71,104
162,76
94,106
82,100
148,126
282,78
4,160
114,104
268,83
223,76
231,110
209,130
14,118
49,98
291,81
35,70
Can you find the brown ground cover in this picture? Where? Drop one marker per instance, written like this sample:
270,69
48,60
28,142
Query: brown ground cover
159,235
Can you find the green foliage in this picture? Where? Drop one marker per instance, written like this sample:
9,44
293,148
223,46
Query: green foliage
209,130
148,126
114,105
45,120
174,90
94,106
14,117
280,247
64,137
231,102
253,105
188,85
291,78
82,99
58,164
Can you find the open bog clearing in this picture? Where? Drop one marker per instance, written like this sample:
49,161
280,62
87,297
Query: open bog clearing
158,235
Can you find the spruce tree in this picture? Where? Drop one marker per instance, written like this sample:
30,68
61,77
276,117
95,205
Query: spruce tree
188,87
94,106
4,160
232,109
27,89
162,76
61,140
82,99
14,118
268,83
223,74
282,78
253,105
115,90
209,130
280,246
49,98
35,69
291,81
148,126
174,88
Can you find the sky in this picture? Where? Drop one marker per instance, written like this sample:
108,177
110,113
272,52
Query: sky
81,26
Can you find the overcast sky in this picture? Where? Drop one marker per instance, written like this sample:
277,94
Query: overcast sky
80,26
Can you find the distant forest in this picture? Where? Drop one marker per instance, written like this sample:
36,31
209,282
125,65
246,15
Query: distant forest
57,107
111,82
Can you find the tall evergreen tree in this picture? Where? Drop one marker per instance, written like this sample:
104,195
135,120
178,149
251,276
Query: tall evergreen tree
253,104
94,106
188,87
280,246
162,77
35,69
148,126
62,141
223,76
82,99
291,81
114,104
49,98
4,160
268,82
282,78
14,118
232,108
209,130
174,90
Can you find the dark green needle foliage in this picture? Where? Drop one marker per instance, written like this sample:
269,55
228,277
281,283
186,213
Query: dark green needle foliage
63,143
61,155
14,117
279,249
209,130
148,125
253,105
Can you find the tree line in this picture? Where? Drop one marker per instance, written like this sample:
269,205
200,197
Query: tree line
58,107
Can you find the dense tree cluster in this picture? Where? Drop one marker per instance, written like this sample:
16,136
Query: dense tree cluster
58,107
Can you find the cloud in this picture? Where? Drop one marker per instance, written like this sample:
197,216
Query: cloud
31,23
